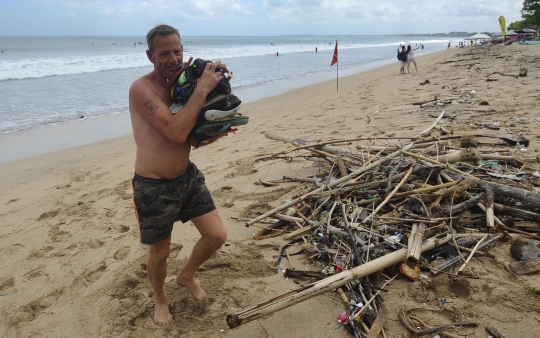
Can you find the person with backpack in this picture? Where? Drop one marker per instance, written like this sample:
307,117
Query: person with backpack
402,56
410,57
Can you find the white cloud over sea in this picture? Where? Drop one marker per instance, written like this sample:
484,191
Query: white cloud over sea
253,17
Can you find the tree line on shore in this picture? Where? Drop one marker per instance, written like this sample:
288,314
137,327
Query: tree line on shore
530,13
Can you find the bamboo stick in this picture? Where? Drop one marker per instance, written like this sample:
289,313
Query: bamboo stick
410,240
300,179
426,189
418,238
343,296
341,166
463,155
430,160
368,302
456,259
309,291
427,130
308,144
370,217
443,130
490,216
472,253
352,242
289,219
459,208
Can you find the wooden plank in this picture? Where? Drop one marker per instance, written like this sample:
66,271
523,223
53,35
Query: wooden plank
378,324
298,233
526,267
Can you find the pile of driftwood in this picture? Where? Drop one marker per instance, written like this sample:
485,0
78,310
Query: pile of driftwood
382,208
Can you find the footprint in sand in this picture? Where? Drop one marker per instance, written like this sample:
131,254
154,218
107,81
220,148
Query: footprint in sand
121,228
35,275
6,286
121,253
48,214
32,310
95,274
132,282
40,253
111,212
175,250
95,243
140,318
57,235
70,250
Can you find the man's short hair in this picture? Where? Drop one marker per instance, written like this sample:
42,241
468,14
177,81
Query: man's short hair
162,30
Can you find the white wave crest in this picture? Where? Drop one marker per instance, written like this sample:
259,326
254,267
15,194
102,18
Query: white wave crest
42,67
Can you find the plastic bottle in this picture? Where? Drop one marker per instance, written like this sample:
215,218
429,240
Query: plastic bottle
343,317
496,168
291,211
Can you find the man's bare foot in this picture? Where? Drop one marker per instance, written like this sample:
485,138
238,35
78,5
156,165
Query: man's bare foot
192,284
162,316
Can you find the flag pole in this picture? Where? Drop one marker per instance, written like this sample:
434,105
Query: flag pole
335,61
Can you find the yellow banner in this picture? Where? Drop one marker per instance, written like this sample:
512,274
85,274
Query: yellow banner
502,22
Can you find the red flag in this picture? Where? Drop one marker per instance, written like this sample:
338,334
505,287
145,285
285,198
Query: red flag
334,59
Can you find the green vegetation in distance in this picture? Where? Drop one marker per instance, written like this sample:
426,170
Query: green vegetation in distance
530,14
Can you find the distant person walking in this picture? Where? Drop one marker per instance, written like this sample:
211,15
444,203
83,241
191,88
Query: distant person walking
402,56
448,45
410,57
315,49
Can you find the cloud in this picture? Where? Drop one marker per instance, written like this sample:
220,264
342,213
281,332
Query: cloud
387,10
189,10
270,17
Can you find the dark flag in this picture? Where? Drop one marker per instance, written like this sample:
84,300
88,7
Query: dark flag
334,59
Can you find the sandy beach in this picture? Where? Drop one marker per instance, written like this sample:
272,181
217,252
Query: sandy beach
71,263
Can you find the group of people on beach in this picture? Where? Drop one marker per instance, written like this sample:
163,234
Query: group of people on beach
406,56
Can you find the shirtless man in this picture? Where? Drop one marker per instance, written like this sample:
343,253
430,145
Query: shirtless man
167,187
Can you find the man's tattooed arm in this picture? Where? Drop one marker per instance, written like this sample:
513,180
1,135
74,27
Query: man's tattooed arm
151,107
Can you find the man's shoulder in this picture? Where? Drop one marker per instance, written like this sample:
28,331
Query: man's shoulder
142,81
142,84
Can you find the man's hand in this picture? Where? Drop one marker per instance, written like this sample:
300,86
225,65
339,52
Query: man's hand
209,78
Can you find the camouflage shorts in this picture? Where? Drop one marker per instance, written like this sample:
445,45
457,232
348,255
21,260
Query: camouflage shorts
161,202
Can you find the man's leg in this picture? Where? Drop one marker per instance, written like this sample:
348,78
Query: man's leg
157,271
213,236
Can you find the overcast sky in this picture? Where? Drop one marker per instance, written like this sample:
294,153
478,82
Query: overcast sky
253,17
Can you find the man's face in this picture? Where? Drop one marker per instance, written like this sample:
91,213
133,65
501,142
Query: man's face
167,55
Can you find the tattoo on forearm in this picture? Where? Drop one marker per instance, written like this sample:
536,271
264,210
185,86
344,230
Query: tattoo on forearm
151,106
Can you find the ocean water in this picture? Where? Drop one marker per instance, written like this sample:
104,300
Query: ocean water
54,80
